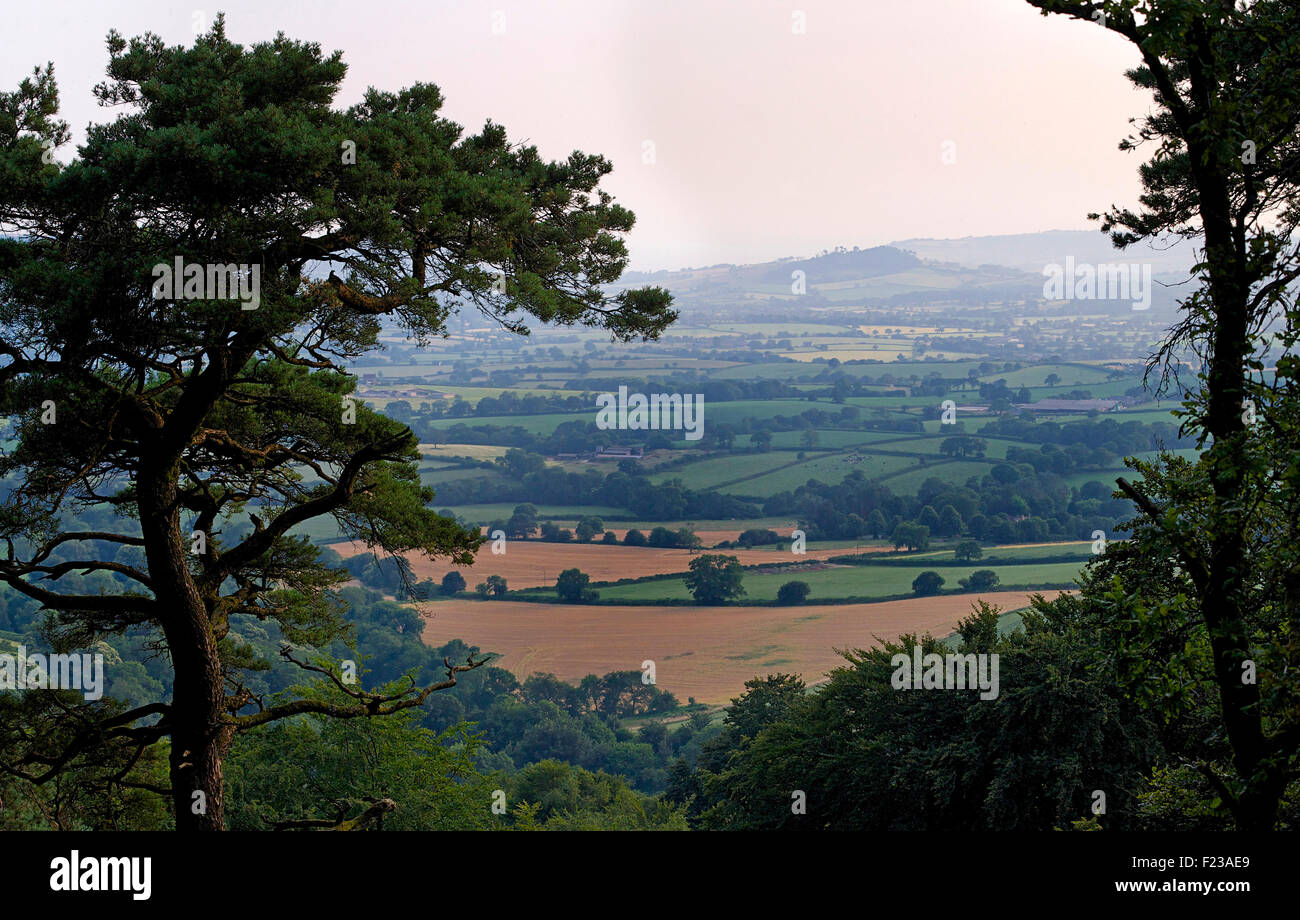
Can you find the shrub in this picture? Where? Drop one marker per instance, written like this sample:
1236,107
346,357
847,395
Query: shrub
793,592
927,583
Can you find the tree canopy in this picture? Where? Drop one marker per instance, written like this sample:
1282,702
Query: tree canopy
216,427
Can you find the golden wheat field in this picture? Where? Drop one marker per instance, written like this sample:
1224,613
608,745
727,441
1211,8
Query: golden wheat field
702,652
534,564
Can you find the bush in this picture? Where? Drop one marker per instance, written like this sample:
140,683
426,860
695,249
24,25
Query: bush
452,582
663,538
634,538
927,583
980,580
793,592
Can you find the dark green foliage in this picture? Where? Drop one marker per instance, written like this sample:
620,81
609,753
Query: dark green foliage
714,578
967,551
793,592
452,583
912,536
872,757
979,580
572,588
927,583
189,411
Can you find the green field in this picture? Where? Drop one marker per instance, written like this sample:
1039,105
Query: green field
899,369
535,424
434,477
1072,376
930,445
826,438
828,468
558,513
953,471
1083,550
708,474
473,394
843,581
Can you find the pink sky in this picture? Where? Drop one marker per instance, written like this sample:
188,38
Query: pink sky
767,142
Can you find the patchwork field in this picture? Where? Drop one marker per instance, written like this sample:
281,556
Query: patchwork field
706,653
534,564
850,581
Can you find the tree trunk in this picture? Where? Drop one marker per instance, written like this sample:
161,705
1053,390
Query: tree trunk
1257,800
199,739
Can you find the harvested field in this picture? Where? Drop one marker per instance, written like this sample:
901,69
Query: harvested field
534,564
704,652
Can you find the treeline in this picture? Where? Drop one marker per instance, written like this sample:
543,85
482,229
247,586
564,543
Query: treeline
869,756
1120,438
581,435
1014,503
1023,500
1084,732
626,487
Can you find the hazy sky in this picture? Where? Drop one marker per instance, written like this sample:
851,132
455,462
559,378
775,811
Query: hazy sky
767,142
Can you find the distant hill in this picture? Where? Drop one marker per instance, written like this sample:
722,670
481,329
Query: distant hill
974,270
843,265
1031,251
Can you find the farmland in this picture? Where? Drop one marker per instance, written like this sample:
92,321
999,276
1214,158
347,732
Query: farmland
809,424
533,563
705,654
848,581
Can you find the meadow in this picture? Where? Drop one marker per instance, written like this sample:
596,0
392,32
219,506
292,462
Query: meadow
847,581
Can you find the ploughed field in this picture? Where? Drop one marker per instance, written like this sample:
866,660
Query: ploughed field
702,652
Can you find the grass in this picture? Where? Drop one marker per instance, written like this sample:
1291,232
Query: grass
930,445
848,581
1082,549
534,424
487,512
826,438
452,451
828,468
900,369
431,477
1072,376
473,394
955,472
707,474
